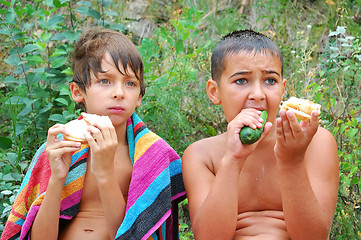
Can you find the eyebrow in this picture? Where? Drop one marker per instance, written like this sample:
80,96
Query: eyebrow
271,71
248,72
240,73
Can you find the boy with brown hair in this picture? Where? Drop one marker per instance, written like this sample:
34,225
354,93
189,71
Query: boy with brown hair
123,182
285,185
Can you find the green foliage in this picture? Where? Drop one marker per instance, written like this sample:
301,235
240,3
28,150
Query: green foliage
322,62
174,64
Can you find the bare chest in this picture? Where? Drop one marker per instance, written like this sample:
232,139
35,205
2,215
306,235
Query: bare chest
123,172
259,189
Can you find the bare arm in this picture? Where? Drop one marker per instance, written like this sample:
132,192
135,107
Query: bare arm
213,197
46,223
308,169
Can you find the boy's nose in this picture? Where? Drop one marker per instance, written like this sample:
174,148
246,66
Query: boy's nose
256,92
118,92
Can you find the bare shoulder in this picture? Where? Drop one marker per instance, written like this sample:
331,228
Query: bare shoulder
323,142
204,151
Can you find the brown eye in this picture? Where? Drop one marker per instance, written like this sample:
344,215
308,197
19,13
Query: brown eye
104,81
130,84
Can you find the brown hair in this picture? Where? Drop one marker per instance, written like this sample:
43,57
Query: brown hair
90,49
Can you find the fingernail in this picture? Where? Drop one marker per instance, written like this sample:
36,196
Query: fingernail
289,113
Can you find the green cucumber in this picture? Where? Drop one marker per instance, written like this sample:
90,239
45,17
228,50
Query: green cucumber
248,135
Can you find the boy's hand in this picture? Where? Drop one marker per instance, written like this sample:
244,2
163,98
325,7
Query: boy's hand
59,152
103,143
292,137
235,150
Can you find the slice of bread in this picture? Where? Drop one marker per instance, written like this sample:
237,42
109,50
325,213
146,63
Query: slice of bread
301,107
76,128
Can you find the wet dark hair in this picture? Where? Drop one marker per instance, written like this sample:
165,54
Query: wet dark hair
91,48
237,41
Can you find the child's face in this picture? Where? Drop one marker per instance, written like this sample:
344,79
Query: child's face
110,93
250,81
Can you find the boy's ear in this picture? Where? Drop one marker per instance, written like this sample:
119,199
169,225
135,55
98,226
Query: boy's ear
139,100
213,92
76,92
284,81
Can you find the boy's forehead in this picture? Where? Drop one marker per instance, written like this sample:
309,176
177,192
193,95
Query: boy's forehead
246,60
108,63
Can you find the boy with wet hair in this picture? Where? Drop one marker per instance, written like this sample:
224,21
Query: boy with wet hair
124,182
284,186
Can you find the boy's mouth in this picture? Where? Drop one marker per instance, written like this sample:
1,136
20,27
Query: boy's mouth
258,108
116,109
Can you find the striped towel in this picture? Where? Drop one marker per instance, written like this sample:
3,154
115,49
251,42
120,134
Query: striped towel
155,188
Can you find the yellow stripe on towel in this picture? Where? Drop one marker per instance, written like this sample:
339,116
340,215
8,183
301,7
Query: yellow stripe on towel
144,143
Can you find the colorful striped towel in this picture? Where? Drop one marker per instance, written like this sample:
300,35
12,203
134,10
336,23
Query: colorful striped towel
155,189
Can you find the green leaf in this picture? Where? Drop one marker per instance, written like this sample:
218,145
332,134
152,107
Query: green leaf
343,127
13,177
5,31
5,143
36,59
57,118
85,3
118,27
30,48
6,3
351,133
55,20
27,109
62,101
71,36
179,46
94,13
41,46
58,52
58,62
12,157
82,10
13,60
46,37
68,71
10,17
11,79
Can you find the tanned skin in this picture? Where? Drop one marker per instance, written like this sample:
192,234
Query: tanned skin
284,186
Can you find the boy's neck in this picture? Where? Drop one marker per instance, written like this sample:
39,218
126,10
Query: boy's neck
121,132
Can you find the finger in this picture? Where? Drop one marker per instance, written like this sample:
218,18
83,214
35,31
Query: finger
286,126
280,137
93,135
53,133
63,144
295,127
61,149
107,129
266,130
253,121
314,123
